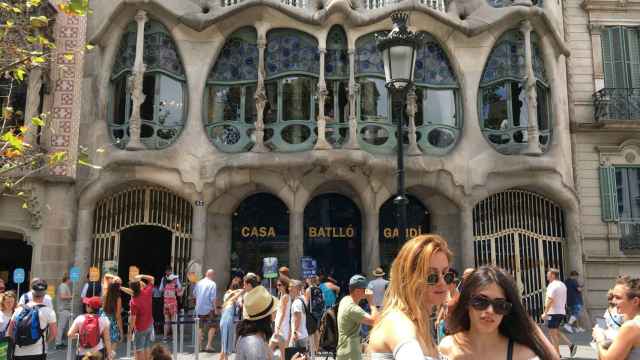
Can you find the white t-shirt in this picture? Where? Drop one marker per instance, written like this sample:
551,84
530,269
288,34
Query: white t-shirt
4,322
47,317
47,299
103,324
557,291
298,307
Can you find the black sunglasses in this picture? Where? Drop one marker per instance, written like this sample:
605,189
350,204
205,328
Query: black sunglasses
434,277
500,306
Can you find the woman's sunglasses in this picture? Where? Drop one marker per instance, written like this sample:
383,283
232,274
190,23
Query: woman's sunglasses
434,277
500,306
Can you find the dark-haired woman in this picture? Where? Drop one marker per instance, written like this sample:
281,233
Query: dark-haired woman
112,310
490,320
255,328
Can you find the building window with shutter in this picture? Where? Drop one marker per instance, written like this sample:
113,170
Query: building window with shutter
620,189
620,99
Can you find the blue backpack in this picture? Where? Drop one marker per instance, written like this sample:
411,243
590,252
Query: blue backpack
28,330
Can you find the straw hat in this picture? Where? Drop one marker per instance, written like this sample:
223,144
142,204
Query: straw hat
258,304
378,272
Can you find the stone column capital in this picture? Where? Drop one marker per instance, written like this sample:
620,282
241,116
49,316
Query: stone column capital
141,16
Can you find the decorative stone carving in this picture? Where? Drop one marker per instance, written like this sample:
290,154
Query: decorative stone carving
135,82
261,100
412,108
533,134
627,153
321,142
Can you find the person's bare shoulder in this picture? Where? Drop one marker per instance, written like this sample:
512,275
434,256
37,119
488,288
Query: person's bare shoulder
522,352
447,346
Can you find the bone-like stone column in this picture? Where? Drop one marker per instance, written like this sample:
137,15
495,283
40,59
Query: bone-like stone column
370,242
199,231
352,143
533,133
321,142
412,108
466,236
136,79
261,100
296,239
217,248
84,239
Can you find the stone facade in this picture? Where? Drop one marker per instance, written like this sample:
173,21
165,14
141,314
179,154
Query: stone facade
599,142
450,185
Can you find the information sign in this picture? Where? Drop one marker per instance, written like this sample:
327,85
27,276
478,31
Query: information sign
309,266
74,274
270,268
18,275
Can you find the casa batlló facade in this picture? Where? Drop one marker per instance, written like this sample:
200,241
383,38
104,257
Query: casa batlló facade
230,131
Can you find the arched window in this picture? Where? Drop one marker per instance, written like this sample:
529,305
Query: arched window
292,62
230,107
164,108
336,72
376,132
439,112
503,99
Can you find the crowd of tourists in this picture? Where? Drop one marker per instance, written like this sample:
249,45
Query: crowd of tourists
423,311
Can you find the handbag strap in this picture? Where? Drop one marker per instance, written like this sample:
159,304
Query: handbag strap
510,350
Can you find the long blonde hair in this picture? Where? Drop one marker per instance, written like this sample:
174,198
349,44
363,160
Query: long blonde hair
406,287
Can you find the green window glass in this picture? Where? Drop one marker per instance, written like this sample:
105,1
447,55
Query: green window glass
163,111
229,103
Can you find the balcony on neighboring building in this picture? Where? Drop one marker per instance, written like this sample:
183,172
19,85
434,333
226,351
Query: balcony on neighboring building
617,107
629,235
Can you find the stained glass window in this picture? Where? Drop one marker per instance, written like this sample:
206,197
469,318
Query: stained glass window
292,61
163,111
504,102
336,72
230,108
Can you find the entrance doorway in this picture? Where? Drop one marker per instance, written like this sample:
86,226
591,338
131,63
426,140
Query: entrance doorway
418,222
522,232
16,253
151,224
260,229
332,236
147,247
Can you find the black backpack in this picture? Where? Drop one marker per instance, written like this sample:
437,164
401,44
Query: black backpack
28,330
311,322
329,329
316,302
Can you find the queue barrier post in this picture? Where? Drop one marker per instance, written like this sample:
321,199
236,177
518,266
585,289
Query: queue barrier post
174,336
70,346
196,348
181,346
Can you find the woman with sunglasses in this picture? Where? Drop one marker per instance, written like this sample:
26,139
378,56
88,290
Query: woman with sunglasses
282,333
418,282
490,319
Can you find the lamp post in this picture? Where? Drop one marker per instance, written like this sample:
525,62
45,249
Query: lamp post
398,49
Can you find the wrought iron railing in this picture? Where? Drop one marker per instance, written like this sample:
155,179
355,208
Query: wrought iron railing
629,235
611,104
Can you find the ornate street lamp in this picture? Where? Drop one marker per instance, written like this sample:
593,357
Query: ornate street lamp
398,49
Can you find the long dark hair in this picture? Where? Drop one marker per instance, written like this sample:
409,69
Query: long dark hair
111,299
250,327
517,325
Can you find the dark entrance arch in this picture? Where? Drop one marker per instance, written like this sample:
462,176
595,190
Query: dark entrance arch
332,236
147,247
418,222
16,253
260,228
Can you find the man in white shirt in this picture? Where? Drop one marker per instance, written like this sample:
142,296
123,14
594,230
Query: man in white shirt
28,296
47,319
378,286
554,312
299,333
205,294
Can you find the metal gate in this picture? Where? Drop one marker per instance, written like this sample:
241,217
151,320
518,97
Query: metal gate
142,205
523,233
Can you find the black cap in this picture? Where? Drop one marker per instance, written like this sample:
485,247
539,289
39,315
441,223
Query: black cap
39,286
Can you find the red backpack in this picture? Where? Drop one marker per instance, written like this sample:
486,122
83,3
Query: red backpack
90,331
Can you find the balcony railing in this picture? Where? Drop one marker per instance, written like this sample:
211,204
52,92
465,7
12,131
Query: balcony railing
366,4
629,235
617,104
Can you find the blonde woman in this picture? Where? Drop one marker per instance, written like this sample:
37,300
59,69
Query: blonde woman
419,282
7,308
